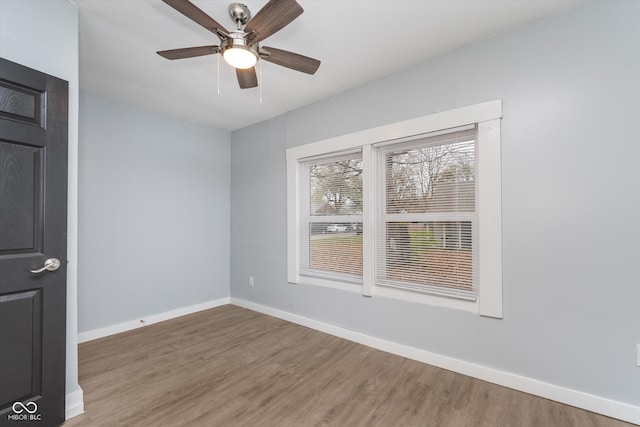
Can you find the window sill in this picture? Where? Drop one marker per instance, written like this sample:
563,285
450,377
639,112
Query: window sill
343,286
398,294
426,299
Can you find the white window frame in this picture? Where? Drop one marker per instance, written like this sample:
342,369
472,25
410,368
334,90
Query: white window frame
487,116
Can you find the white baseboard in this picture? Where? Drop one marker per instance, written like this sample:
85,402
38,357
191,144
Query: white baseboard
590,402
74,405
148,320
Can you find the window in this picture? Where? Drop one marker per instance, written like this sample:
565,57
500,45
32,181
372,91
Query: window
331,235
410,210
426,215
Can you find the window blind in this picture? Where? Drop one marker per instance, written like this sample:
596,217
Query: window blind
332,218
426,222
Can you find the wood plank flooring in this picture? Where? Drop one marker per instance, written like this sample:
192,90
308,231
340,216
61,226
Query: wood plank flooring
233,367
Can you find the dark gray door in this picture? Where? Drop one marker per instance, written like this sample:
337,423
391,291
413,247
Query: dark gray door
33,229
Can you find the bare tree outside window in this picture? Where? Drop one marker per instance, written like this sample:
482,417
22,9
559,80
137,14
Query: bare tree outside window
336,188
431,178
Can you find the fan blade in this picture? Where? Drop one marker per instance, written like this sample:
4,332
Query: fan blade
247,77
192,12
274,16
291,60
189,52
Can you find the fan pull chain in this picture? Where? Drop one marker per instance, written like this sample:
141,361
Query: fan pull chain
218,56
260,78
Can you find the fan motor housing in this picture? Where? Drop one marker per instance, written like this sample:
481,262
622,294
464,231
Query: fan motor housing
237,40
239,13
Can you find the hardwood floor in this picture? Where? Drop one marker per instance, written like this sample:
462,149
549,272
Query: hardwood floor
229,366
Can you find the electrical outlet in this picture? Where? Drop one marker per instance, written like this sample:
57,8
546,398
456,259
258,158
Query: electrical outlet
637,354
251,283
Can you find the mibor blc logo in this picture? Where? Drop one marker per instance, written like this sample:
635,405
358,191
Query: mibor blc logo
24,412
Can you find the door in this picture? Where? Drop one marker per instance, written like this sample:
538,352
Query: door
33,231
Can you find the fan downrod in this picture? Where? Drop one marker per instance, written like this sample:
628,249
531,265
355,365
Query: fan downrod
240,14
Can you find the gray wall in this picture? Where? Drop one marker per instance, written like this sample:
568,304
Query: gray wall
43,34
154,211
570,201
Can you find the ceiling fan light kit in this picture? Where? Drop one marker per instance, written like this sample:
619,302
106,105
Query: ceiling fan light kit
238,53
241,48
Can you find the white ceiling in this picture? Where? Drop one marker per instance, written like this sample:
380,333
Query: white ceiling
358,41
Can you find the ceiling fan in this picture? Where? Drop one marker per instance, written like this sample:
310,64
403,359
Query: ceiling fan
241,47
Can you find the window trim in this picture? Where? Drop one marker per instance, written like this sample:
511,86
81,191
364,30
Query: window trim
487,116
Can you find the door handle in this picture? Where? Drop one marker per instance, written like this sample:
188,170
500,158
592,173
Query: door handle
52,264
